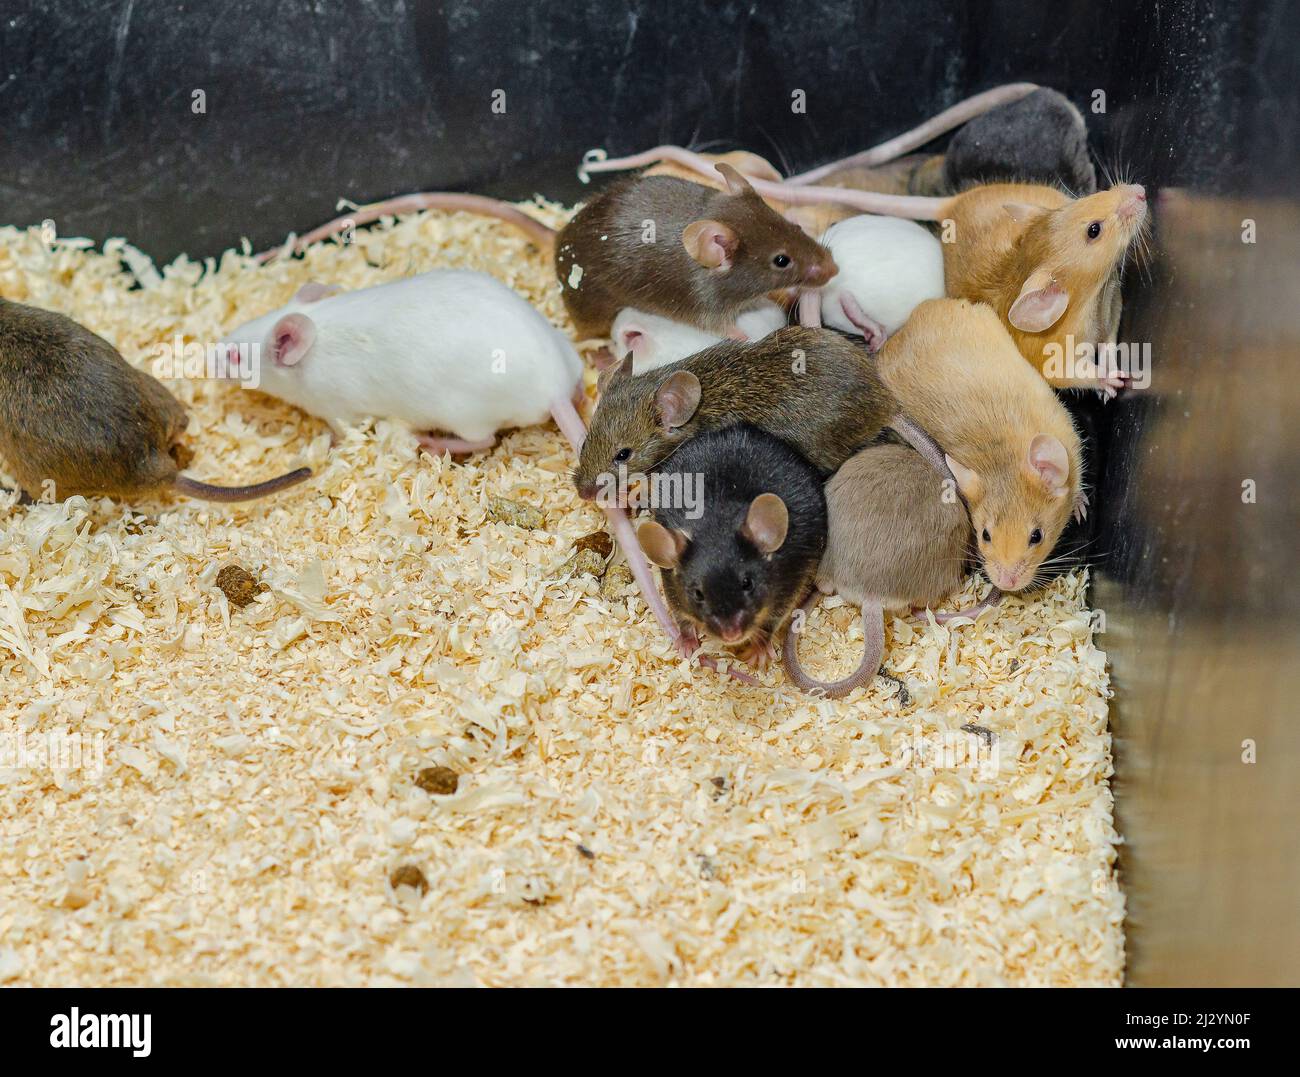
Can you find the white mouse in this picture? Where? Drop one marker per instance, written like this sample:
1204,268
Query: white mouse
445,351
887,266
656,341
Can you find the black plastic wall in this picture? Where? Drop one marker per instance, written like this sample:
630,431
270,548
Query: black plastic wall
308,101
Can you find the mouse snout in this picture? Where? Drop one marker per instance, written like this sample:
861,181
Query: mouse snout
731,629
1134,203
587,491
820,273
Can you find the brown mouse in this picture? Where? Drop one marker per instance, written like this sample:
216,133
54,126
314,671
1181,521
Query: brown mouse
816,390
1009,442
74,413
682,250
894,541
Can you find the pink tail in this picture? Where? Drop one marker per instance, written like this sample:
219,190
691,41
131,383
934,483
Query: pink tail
595,161
810,308
890,205
992,599
539,233
959,114
570,424
873,631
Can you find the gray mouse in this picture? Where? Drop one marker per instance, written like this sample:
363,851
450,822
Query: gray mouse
815,389
75,414
896,539
1039,139
735,563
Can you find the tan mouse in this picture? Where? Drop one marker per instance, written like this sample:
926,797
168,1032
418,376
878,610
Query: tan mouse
1009,442
894,542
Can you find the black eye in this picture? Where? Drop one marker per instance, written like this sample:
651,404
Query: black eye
699,594
622,456
747,583
781,261
1094,229
1035,536
985,535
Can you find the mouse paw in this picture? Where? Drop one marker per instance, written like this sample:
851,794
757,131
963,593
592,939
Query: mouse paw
687,641
1110,382
1080,507
758,653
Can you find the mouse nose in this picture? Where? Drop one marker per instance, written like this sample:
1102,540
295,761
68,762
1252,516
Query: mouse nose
587,491
1135,204
820,273
732,629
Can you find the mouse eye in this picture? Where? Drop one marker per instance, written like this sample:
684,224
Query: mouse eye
985,535
781,261
1035,536
622,456
1094,229
747,584
699,594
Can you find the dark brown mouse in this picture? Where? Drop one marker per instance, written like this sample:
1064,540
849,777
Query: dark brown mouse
74,413
813,388
736,559
682,250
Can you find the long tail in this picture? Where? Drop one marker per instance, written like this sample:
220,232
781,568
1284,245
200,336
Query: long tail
873,631
193,488
960,113
596,161
990,600
913,207
541,234
923,443
570,423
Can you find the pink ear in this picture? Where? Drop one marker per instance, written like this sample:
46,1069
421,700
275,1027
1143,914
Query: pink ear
314,290
1040,304
292,338
711,243
631,339
1049,460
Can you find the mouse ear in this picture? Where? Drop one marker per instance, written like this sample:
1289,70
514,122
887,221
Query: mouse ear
766,523
616,371
313,291
291,339
662,546
711,243
968,481
736,183
629,338
677,398
1022,211
1040,304
1050,462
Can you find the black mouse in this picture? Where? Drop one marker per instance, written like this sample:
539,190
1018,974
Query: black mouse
738,528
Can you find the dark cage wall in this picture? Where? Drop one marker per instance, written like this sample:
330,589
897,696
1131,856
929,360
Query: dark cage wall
1194,536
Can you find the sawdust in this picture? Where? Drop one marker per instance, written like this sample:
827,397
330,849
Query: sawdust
197,793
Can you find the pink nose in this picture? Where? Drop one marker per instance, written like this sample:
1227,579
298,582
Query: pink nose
732,629
820,273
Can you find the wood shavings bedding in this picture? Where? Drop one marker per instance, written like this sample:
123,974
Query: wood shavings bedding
247,778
